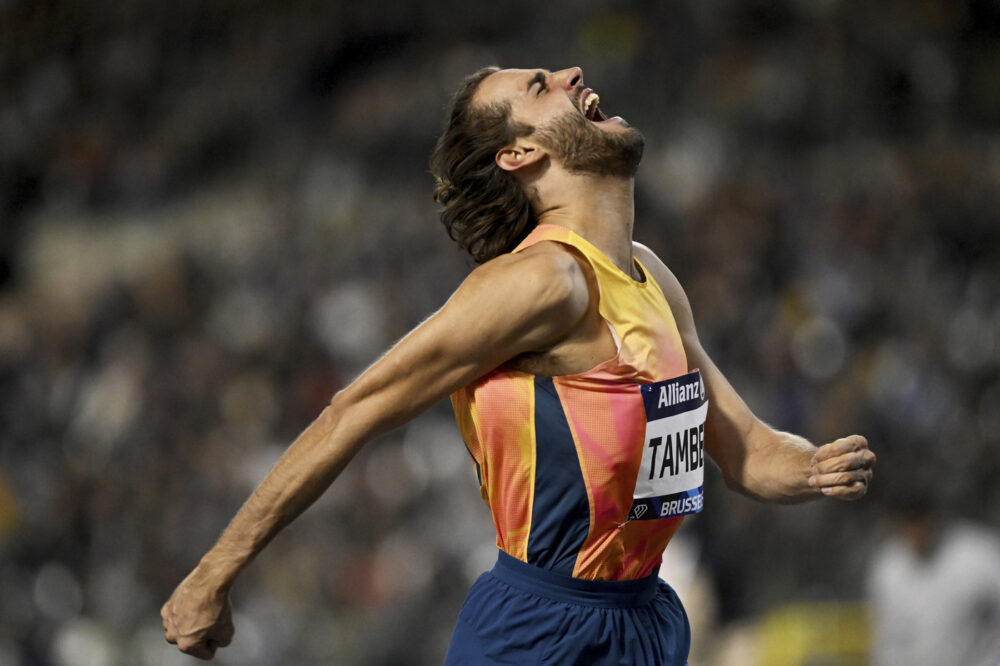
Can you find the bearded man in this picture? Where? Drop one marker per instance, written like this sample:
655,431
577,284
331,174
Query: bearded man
579,384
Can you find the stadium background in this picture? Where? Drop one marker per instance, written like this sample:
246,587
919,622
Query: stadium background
214,214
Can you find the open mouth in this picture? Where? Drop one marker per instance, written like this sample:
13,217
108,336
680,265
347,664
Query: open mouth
588,106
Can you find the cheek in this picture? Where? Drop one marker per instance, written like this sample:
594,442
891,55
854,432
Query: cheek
542,109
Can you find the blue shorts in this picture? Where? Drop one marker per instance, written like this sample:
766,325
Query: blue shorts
519,614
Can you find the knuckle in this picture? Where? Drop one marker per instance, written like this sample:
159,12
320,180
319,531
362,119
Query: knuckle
188,646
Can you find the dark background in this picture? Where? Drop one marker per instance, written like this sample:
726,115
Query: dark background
214,214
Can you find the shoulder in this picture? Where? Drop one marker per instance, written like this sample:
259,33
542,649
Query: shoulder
664,277
546,279
653,263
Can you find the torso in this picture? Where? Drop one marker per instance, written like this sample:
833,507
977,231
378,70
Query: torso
558,435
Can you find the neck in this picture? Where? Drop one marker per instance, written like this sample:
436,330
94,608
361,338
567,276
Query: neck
600,209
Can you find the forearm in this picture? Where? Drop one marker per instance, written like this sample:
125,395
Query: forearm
776,467
299,478
388,394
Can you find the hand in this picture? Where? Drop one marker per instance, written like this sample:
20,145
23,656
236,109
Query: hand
198,618
843,469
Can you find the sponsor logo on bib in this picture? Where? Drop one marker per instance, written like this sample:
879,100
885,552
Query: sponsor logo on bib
671,478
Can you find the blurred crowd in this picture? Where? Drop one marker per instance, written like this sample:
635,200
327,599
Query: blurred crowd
213,215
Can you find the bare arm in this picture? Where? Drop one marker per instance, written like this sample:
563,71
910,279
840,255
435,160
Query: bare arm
517,303
756,459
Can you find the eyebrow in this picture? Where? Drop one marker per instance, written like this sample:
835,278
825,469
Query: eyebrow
538,78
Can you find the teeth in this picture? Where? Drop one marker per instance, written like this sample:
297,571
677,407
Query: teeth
590,103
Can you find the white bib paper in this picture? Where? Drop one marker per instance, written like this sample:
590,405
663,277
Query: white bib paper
671,478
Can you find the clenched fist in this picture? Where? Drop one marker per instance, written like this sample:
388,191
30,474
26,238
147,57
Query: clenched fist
198,618
843,468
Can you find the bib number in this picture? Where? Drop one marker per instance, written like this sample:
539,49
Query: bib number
671,477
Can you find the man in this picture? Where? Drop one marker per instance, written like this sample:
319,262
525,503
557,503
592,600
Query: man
934,587
579,384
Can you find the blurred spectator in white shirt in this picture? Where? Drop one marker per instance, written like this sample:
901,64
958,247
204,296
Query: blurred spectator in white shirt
935,591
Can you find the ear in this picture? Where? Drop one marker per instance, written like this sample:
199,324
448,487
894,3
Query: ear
516,157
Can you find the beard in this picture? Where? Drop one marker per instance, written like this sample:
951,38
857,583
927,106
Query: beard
584,148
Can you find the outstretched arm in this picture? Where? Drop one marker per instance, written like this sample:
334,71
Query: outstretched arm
756,459
517,303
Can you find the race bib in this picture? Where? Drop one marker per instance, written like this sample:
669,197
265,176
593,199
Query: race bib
671,477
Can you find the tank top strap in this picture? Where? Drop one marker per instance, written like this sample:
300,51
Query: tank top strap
544,232
597,259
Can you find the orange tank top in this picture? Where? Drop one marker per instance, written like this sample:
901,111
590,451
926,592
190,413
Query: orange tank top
563,461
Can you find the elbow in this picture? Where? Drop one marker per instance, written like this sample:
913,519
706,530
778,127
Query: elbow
331,421
339,401
357,413
336,407
739,479
733,483
731,461
731,475
736,483
350,399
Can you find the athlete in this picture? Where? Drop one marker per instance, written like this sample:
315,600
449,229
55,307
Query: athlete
579,384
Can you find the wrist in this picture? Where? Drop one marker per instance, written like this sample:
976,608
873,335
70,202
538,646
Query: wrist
216,572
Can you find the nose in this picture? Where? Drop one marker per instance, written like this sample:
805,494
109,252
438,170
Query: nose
570,78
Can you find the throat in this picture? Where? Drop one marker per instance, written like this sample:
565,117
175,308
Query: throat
607,227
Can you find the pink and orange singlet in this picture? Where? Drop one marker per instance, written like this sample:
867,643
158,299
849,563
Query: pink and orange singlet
590,475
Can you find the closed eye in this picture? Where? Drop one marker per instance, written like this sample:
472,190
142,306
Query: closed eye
539,78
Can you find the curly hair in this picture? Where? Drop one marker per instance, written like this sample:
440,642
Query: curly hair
484,208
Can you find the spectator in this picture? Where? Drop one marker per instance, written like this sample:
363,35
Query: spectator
935,590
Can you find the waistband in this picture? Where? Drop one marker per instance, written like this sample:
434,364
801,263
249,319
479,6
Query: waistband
560,587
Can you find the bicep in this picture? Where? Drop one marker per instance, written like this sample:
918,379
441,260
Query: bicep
498,313
730,422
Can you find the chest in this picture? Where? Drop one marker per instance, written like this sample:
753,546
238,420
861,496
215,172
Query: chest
634,329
